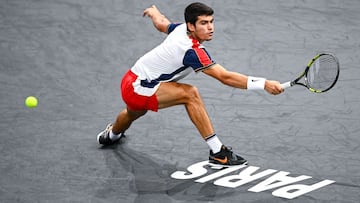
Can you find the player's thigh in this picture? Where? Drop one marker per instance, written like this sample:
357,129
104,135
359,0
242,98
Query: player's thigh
174,93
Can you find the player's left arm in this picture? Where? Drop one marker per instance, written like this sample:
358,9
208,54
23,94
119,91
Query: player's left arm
160,21
239,80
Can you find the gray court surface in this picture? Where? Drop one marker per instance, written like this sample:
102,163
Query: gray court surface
71,54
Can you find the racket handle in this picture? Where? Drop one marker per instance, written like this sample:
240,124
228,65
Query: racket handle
286,85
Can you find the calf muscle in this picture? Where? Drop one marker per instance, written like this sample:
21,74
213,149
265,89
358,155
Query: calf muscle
173,93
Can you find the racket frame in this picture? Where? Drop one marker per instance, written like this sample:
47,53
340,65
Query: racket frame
304,75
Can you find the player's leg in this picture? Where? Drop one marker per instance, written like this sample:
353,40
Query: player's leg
168,94
125,119
114,131
173,93
137,106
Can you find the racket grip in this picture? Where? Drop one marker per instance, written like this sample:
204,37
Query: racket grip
286,85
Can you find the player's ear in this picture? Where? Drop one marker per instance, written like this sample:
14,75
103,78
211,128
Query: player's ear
190,27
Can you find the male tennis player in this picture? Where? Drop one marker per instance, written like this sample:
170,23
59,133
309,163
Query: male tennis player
152,83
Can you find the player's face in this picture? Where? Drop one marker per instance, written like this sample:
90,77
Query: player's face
203,29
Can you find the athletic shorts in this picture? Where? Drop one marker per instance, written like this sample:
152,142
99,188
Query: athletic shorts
133,100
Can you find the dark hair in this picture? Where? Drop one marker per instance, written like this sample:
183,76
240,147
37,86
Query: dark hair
196,9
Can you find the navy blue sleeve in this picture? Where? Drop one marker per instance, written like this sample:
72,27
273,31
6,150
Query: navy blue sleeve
172,27
198,59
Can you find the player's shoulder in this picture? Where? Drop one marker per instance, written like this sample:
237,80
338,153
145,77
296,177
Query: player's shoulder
178,37
173,26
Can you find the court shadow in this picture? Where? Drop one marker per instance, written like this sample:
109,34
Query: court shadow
150,179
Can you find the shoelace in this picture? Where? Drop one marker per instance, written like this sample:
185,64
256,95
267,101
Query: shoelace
108,128
229,149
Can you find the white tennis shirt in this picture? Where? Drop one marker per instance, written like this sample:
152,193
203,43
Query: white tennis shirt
176,57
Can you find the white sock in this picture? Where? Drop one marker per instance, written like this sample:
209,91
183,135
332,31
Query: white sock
114,136
214,143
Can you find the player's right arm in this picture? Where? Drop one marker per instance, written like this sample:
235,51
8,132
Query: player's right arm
160,22
239,80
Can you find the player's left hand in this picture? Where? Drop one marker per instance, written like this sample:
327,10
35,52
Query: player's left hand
151,11
273,87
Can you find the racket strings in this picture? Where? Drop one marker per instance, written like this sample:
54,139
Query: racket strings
323,73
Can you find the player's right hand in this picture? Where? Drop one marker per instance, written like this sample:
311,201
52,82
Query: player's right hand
273,87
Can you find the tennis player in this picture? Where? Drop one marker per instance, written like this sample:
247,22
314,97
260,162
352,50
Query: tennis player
153,82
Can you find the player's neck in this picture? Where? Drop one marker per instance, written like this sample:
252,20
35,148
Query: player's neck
192,36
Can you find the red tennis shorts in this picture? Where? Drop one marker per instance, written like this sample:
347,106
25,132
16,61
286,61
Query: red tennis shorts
133,100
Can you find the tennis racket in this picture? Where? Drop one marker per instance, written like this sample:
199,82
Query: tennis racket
320,75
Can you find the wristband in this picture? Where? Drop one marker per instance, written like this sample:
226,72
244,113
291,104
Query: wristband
255,83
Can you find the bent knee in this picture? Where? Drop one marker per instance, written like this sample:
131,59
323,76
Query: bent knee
191,93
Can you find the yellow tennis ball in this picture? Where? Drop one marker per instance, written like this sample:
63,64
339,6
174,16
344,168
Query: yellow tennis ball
31,102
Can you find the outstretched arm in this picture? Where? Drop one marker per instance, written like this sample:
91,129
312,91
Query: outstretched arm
239,80
160,22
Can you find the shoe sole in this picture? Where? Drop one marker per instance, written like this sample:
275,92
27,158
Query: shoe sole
221,166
